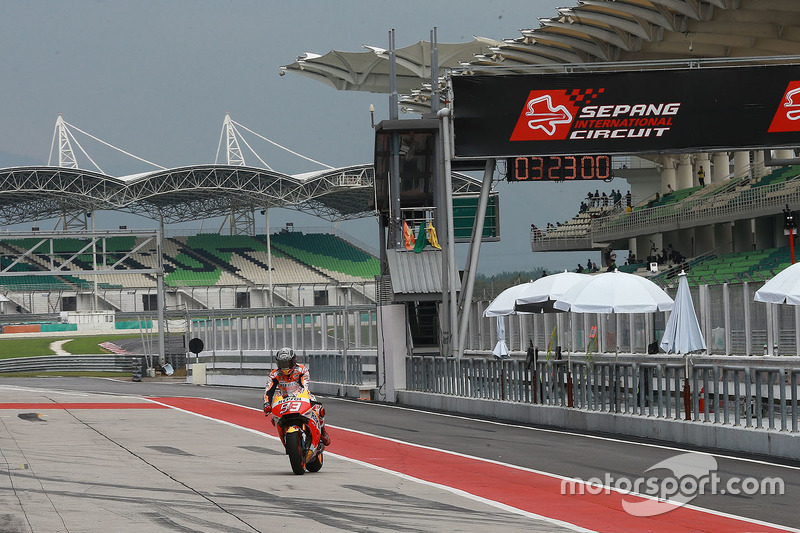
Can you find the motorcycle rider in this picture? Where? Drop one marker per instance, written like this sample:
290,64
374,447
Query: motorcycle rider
292,378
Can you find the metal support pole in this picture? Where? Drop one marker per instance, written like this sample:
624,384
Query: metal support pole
465,302
269,258
160,297
435,73
444,116
395,227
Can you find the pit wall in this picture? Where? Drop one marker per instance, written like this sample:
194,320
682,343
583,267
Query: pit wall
706,436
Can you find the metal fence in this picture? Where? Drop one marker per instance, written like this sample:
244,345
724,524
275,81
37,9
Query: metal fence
304,329
738,396
338,344
336,368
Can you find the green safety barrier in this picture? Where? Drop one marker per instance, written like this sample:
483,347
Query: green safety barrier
58,327
135,324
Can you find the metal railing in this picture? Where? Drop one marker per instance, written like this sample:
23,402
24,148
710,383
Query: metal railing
737,396
72,363
703,209
335,368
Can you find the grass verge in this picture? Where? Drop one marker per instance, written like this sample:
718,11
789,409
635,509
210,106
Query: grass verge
33,347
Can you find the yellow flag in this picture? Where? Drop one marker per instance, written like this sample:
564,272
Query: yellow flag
432,240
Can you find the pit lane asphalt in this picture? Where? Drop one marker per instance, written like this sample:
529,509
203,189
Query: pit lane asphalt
249,465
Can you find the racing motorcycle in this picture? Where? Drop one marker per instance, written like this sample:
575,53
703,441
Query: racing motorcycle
299,429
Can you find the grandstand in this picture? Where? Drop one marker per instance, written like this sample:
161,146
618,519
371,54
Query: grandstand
731,230
734,267
201,271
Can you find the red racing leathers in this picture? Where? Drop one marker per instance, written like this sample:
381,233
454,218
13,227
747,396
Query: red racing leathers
291,384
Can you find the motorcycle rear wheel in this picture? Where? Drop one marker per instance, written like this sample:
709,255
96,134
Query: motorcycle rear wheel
294,449
315,464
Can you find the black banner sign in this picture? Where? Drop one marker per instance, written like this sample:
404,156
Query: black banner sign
626,112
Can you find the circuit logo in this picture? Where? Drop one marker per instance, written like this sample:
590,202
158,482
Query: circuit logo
548,115
546,118
787,117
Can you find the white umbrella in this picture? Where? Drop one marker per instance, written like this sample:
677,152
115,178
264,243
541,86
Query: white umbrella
504,303
783,288
682,334
501,349
615,292
534,296
538,294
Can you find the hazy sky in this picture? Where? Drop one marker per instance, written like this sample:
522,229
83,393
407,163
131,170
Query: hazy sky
157,77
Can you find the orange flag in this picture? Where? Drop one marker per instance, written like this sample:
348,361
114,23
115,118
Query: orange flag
408,237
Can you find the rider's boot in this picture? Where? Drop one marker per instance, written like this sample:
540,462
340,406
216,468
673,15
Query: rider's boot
324,437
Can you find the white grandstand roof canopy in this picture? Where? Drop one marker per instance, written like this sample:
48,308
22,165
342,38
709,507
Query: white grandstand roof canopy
369,71
191,192
590,32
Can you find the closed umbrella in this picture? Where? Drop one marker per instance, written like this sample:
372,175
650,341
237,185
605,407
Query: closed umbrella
501,348
614,292
784,288
682,334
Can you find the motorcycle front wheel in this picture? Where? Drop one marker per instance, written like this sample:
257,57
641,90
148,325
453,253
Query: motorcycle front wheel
294,449
315,464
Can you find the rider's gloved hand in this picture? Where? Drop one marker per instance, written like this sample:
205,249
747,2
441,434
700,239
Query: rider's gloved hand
267,410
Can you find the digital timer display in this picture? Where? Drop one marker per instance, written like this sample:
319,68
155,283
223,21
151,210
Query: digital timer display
559,168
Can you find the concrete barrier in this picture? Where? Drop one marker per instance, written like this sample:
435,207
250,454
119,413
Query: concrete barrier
703,435
198,374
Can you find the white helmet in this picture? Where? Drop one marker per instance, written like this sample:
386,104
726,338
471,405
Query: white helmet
285,359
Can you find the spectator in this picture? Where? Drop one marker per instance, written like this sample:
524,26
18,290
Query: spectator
579,269
594,267
628,199
701,176
589,265
669,189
